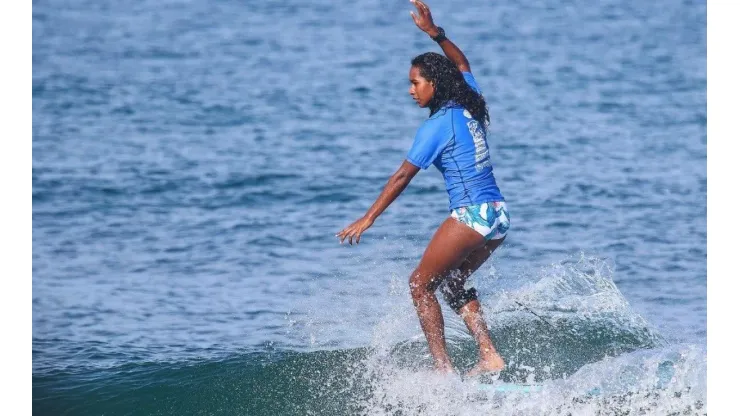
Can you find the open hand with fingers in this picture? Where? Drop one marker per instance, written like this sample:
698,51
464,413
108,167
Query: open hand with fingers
354,231
424,19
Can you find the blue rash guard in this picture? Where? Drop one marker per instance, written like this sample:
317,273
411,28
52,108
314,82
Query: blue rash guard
455,143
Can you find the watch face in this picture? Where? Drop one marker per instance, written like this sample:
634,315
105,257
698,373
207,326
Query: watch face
440,34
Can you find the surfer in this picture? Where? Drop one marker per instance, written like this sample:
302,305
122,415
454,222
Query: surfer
453,139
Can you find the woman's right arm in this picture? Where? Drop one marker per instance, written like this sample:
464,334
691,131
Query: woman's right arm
393,188
426,24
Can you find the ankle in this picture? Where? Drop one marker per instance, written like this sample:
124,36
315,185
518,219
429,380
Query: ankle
443,365
490,355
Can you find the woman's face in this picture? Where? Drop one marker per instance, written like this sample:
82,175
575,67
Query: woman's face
421,89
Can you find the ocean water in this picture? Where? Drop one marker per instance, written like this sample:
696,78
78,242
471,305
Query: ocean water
192,161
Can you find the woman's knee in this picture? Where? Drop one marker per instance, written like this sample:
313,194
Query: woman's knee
460,297
421,284
454,292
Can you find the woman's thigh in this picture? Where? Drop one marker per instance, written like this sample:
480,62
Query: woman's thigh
455,283
450,246
478,257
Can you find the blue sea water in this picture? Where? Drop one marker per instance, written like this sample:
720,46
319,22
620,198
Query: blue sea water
193,160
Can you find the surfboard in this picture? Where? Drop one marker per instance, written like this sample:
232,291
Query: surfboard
664,373
509,387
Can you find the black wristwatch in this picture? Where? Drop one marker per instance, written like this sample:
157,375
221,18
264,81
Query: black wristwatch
440,36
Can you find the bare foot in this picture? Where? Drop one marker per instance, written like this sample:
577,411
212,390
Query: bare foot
444,369
493,365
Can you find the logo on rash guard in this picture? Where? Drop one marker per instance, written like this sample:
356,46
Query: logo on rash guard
482,159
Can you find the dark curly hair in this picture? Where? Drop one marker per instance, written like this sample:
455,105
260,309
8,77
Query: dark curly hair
449,85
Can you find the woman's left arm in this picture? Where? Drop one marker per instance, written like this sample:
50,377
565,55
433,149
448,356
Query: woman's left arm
396,184
425,22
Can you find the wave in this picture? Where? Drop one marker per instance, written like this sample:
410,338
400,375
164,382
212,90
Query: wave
567,329
369,381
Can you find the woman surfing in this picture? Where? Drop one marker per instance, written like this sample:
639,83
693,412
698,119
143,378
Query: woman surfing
453,139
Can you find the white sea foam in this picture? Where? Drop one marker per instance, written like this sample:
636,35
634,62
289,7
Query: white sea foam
621,364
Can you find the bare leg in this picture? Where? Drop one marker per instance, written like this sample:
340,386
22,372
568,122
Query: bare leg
451,245
490,360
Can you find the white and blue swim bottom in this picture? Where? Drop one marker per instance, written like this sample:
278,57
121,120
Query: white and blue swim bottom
489,219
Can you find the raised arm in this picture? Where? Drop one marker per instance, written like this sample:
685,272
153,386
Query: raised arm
426,24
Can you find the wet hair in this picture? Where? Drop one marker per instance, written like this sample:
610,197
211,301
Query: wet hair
449,85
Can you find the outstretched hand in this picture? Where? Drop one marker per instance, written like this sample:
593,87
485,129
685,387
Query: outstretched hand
424,19
354,231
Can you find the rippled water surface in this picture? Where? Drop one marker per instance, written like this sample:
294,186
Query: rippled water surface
192,162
